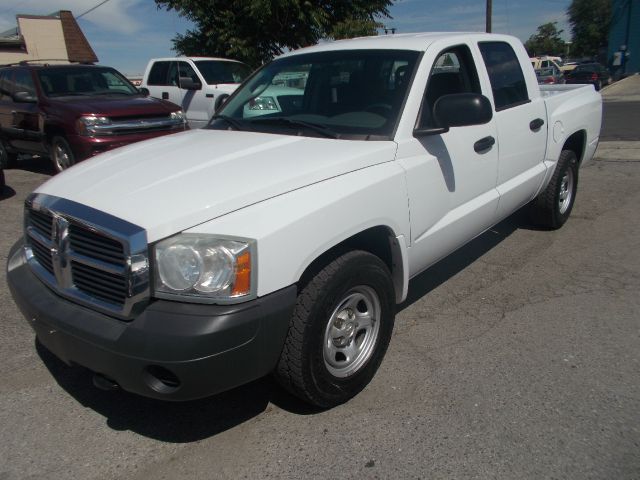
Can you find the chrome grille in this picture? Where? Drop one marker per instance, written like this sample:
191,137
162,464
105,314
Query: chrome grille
87,255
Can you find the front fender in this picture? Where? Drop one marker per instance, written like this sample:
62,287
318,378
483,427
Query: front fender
294,229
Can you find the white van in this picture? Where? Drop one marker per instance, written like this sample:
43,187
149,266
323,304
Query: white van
198,84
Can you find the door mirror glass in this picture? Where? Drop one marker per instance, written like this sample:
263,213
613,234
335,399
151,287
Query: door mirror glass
144,91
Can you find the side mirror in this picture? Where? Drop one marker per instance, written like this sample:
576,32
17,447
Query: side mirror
24,97
458,110
188,84
144,91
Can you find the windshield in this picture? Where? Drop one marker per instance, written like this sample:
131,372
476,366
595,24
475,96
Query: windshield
64,81
339,94
217,71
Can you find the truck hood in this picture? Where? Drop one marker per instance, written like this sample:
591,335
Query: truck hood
114,106
172,183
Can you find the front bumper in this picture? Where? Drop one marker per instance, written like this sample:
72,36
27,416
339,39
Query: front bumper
87,146
172,351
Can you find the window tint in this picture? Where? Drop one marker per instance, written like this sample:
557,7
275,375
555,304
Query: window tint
80,80
215,71
158,74
24,82
453,72
507,80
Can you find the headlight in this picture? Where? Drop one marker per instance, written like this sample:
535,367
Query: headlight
263,103
177,116
90,124
204,268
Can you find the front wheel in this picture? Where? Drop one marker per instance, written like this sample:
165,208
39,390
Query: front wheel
340,330
551,209
61,154
7,158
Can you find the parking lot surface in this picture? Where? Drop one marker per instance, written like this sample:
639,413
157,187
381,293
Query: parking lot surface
516,357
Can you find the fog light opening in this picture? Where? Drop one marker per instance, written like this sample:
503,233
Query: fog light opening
161,379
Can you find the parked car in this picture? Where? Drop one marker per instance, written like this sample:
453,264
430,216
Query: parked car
72,112
198,84
592,73
550,75
283,243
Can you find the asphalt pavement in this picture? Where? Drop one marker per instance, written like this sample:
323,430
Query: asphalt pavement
516,357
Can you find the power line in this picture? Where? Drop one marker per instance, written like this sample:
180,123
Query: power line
92,9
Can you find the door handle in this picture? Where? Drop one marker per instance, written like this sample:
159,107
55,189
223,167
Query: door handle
484,144
165,95
536,124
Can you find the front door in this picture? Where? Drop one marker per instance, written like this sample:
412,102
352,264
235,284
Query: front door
451,176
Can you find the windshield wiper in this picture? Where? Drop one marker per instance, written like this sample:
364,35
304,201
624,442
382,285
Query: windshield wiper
327,132
237,124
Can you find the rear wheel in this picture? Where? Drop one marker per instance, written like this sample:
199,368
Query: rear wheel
340,330
61,154
552,207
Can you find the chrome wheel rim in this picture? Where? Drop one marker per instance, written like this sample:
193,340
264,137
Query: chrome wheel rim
61,157
566,191
352,332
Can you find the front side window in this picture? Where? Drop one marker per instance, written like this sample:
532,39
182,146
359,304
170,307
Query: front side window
344,94
6,85
24,82
89,81
454,71
507,80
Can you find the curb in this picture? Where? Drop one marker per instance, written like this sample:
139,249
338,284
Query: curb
618,82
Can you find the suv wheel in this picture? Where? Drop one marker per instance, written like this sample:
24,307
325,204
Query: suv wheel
7,159
61,154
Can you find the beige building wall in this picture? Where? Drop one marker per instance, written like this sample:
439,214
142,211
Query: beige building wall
52,38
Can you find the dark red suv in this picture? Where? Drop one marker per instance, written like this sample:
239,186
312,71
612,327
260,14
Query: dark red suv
71,112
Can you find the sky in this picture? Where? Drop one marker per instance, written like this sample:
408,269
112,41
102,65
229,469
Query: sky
125,34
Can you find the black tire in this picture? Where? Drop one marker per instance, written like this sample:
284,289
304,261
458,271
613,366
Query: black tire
61,154
304,368
7,159
2,184
598,85
552,207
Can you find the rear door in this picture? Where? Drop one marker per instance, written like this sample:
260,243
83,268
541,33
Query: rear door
22,122
163,81
520,116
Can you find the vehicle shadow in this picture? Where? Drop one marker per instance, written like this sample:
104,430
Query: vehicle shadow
35,164
173,422
451,265
6,192
184,422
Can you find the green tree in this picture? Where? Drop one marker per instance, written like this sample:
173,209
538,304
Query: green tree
546,41
255,31
590,21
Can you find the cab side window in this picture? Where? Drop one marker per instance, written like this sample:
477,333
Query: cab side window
507,80
454,71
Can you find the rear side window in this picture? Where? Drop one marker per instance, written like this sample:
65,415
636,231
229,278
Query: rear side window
507,80
158,74
6,87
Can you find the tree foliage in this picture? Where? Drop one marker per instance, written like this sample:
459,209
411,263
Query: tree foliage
255,31
546,41
590,21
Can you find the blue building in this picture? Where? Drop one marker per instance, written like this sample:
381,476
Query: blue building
624,37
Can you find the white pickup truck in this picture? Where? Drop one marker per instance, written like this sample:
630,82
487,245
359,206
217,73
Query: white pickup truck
198,84
187,265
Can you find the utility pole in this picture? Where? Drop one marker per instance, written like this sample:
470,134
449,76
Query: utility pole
488,24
